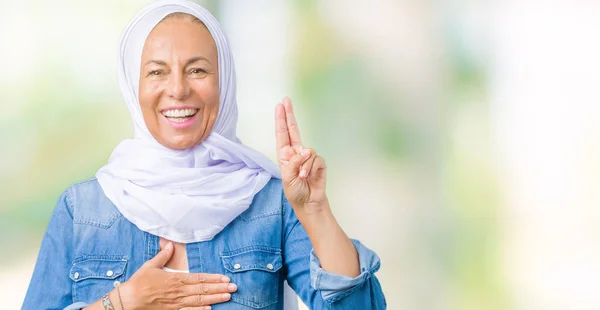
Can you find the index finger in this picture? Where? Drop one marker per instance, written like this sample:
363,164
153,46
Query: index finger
195,278
281,129
292,125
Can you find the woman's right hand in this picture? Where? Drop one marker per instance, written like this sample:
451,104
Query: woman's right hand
153,288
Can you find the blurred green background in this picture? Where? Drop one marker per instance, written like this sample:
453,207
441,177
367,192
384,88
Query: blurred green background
462,137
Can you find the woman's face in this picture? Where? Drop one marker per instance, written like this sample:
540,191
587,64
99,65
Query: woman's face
179,83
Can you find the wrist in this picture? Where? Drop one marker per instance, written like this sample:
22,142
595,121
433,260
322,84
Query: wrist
114,299
312,210
123,297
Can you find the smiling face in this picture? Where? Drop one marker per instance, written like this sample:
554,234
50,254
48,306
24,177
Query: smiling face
179,82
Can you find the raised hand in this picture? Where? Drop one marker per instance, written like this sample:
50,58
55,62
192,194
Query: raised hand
303,172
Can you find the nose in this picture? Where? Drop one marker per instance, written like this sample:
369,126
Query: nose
178,87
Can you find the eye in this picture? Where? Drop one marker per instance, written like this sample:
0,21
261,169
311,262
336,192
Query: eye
155,72
197,71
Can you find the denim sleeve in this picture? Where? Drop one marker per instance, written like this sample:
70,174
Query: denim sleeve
319,289
50,286
76,306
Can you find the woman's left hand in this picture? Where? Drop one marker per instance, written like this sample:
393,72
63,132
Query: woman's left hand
303,172
303,175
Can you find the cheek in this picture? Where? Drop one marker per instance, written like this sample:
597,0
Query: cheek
209,92
212,102
149,96
215,92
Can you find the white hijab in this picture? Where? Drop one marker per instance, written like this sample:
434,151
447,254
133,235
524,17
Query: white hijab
191,195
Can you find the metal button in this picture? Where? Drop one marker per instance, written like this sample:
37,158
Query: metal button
109,273
237,266
116,283
270,266
76,275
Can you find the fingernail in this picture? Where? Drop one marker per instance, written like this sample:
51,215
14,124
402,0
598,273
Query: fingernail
232,287
302,173
168,246
226,296
225,279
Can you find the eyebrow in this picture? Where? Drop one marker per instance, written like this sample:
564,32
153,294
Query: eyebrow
189,61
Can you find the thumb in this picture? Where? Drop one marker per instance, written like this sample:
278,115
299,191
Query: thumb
161,258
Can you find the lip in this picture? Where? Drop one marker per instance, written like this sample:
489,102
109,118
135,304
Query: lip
182,125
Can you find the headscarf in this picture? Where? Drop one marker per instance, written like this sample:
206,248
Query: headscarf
190,195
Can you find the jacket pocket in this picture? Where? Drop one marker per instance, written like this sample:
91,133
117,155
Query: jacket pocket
255,271
94,276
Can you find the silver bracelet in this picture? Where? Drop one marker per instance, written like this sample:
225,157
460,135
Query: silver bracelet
106,303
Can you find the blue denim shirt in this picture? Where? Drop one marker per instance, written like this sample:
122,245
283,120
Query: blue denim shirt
89,245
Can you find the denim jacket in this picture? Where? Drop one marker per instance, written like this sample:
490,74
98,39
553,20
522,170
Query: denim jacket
89,245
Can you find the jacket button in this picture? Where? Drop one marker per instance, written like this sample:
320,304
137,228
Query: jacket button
109,273
237,266
270,266
76,275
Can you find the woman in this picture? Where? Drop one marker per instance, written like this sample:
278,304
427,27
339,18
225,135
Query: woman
186,217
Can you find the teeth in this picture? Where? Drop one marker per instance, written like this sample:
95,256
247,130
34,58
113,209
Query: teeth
180,112
178,119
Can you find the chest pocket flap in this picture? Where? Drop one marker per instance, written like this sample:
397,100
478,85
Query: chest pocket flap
256,273
269,261
97,268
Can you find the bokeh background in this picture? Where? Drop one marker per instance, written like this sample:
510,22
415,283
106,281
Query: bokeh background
462,137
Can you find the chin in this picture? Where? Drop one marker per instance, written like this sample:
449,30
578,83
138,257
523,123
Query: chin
179,144
182,145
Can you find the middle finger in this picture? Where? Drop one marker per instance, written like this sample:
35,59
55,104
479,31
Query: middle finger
292,125
195,278
209,288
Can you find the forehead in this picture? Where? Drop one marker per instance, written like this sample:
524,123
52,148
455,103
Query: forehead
180,36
